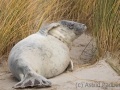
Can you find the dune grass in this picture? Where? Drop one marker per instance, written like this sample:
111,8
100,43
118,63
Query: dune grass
20,18
106,26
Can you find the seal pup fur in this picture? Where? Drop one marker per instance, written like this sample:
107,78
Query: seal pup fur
44,54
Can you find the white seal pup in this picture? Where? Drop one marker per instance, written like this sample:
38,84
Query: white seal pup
44,54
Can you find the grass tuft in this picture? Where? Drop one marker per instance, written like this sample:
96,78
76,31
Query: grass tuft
20,18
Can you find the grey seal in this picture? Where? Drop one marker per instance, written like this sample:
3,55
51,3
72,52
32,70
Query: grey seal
44,54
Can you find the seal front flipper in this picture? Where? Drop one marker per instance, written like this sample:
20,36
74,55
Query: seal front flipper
70,66
32,80
44,30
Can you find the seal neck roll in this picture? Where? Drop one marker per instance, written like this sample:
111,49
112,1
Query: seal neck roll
60,36
65,38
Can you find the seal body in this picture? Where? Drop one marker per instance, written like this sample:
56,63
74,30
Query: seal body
44,54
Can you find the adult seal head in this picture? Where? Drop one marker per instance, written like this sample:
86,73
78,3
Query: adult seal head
44,54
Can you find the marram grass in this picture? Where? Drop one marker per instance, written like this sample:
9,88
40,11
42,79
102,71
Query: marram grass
106,26
20,18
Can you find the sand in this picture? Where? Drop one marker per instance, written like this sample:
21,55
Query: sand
99,76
